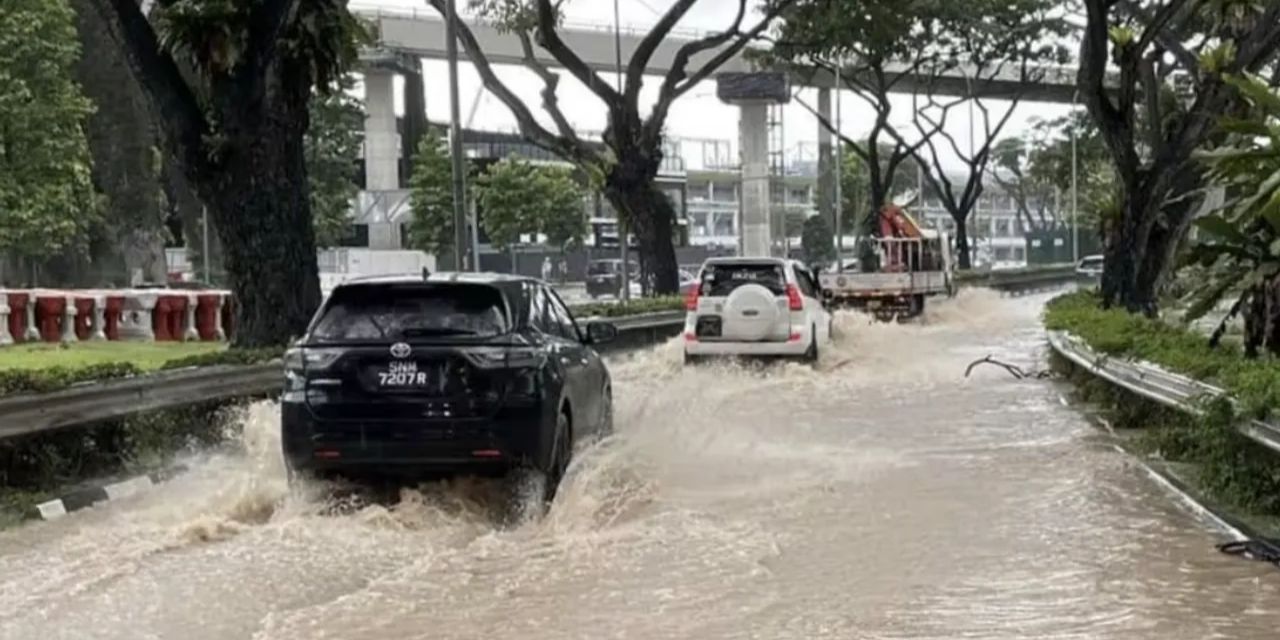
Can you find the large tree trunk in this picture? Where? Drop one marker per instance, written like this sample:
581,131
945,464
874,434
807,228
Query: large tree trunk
1126,250
630,188
258,201
263,219
963,258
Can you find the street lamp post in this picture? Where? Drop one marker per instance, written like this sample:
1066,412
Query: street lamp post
624,281
455,141
839,149
1075,189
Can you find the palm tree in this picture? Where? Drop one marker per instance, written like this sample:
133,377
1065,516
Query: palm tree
1241,249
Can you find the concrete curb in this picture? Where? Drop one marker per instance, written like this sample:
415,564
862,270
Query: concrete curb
86,497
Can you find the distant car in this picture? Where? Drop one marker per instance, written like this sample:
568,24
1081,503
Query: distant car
447,373
755,307
687,282
1090,266
604,278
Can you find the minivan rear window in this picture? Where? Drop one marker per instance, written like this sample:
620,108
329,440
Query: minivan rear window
602,267
721,279
404,312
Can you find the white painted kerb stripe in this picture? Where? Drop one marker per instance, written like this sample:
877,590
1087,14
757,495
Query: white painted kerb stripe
51,509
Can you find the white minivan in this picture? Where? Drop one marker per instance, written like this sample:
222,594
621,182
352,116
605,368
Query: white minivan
766,307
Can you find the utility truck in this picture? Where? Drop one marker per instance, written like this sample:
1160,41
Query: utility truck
901,267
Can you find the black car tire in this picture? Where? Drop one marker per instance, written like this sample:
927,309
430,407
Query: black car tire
561,455
535,484
811,354
606,421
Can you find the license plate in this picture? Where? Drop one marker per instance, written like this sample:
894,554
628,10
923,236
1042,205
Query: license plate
402,375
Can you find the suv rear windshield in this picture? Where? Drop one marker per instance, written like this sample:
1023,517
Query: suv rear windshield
721,279
602,267
400,311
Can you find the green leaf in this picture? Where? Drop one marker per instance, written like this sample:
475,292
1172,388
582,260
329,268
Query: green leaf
1218,226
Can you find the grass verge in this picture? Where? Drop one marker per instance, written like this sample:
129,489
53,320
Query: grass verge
143,355
62,371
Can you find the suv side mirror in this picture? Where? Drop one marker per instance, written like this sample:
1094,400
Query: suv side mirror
601,332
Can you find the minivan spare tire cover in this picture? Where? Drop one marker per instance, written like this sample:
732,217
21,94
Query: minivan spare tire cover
750,313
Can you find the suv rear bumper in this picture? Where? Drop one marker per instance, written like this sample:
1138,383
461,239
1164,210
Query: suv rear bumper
397,447
790,348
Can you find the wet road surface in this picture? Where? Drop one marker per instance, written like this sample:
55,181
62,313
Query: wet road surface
882,496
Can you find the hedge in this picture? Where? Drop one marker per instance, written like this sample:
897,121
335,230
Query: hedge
14,381
630,307
1255,383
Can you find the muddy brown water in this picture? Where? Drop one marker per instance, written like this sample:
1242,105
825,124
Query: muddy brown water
882,496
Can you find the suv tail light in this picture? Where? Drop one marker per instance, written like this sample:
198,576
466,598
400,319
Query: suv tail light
691,298
794,301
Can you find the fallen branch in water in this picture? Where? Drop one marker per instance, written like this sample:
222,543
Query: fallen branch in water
1013,369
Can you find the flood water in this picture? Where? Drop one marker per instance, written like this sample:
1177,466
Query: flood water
881,496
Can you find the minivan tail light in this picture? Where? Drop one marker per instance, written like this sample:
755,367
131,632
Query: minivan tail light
691,298
303,359
794,301
505,357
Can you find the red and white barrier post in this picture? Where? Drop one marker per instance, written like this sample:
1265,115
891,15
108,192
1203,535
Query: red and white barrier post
69,320
5,338
98,324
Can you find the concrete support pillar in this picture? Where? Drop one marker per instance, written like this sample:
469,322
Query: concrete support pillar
5,338
69,321
755,232
381,142
826,174
97,329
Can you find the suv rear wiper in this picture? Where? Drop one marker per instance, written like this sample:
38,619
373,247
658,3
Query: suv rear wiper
436,331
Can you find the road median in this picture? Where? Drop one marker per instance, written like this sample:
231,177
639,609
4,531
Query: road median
1203,416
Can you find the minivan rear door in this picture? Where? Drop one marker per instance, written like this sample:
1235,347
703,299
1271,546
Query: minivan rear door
407,352
743,301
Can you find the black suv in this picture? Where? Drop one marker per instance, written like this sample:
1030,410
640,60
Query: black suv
442,374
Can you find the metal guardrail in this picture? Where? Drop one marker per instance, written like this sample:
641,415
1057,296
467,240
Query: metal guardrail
108,399
92,402
1150,381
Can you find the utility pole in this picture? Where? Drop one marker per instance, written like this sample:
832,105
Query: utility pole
455,141
839,149
624,282
204,237
1075,189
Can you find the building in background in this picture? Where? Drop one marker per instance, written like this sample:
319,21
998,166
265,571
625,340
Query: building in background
997,233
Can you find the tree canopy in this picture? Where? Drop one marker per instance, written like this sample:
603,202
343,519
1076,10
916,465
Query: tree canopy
517,197
229,82
880,47
47,201
431,196
1239,251
332,146
627,164
1153,75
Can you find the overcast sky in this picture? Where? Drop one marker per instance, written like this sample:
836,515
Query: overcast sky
697,115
